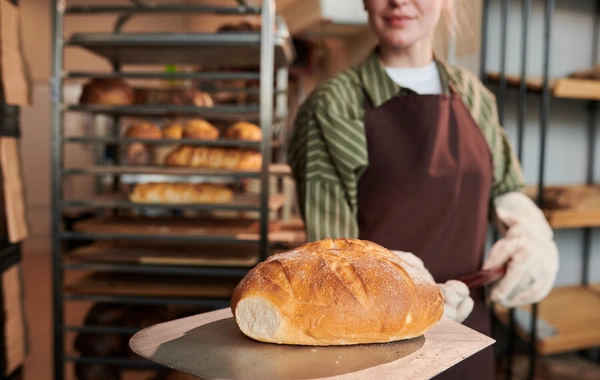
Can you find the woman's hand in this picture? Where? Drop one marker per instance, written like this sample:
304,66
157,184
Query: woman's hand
457,302
529,250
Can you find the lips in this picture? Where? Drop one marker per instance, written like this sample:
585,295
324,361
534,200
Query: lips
396,21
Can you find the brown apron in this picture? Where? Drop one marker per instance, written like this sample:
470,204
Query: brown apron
426,191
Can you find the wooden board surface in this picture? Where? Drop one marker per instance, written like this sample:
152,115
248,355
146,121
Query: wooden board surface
595,288
211,346
575,312
158,253
571,88
12,181
152,286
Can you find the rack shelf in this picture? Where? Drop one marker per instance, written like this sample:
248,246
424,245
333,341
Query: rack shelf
180,229
569,88
153,286
274,169
572,206
242,202
191,142
578,324
242,75
218,112
129,253
238,49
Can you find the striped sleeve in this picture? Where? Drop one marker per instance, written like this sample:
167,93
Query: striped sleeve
327,156
508,175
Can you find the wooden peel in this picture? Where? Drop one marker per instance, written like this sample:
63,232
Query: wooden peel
483,277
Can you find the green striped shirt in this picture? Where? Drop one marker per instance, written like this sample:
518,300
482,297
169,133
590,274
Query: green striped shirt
328,151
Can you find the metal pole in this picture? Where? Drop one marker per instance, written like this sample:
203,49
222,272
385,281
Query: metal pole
510,349
593,113
485,17
281,110
522,106
544,116
502,89
57,161
267,57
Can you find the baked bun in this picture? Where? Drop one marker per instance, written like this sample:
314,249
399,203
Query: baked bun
181,193
173,96
200,129
244,131
336,292
144,130
107,92
173,131
215,158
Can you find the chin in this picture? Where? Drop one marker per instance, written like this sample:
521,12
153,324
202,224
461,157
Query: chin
399,39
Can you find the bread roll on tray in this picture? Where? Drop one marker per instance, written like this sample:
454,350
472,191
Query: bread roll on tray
336,292
181,193
215,158
200,129
244,131
112,92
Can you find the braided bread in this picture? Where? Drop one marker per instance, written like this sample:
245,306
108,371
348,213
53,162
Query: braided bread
215,158
336,292
181,193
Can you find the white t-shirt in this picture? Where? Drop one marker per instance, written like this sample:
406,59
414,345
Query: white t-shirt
422,80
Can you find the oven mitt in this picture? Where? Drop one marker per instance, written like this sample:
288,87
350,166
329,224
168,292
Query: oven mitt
527,248
457,302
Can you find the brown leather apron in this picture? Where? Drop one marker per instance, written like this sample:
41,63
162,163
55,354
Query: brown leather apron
426,191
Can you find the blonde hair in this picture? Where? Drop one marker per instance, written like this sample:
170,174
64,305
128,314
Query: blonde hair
457,23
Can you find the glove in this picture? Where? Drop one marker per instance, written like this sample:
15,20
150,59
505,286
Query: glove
457,303
529,250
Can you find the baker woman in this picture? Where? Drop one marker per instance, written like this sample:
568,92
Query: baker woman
406,150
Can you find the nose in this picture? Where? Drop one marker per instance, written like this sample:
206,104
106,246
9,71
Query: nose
397,3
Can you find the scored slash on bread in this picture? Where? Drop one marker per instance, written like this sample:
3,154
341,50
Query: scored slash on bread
336,292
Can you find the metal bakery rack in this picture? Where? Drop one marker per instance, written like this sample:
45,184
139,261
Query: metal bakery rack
131,260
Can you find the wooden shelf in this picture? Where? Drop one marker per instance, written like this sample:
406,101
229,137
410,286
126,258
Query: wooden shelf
574,311
569,88
595,288
152,286
572,206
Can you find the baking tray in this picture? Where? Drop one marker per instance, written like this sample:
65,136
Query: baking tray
211,346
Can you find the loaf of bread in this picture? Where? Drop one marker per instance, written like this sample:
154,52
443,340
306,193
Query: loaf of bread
336,292
215,158
173,131
200,129
181,193
107,92
144,130
244,131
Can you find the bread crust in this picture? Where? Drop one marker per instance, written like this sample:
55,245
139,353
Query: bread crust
144,130
244,130
336,292
173,131
214,158
181,193
107,91
200,129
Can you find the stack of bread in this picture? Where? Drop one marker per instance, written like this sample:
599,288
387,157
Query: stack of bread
190,156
